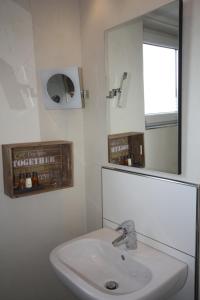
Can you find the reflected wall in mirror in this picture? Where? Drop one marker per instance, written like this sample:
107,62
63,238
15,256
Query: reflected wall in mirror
143,68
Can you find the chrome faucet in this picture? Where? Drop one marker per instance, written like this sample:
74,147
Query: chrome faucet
128,235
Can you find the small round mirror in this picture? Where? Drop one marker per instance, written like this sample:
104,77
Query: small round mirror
60,88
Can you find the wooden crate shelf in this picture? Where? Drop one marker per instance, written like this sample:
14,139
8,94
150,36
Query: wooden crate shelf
124,146
51,161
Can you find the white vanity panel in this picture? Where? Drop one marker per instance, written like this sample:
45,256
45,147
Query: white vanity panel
162,210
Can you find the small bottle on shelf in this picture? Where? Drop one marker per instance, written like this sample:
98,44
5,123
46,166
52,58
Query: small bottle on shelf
126,160
129,161
28,182
15,183
35,181
21,185
121,160
141,156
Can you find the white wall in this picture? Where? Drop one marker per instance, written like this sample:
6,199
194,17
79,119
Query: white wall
161,149
98,16
36,35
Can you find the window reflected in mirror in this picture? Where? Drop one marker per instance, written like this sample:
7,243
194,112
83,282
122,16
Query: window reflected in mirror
160,72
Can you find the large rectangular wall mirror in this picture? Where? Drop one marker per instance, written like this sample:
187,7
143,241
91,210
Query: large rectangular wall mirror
143,71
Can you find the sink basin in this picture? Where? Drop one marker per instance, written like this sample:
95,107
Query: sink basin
95,270
98,263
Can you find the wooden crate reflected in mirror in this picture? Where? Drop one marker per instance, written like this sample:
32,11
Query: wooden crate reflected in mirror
126,149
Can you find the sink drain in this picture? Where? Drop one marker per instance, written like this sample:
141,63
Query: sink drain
111,285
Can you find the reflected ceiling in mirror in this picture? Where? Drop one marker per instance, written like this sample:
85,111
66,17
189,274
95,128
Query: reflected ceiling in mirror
143,71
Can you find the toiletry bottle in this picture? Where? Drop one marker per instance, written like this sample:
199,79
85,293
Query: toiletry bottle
126,160
21,184
121,160
15,182
141,154
132,160
34,179
28,182
129,161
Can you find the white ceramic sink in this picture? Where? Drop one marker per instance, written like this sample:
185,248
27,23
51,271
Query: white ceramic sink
90,265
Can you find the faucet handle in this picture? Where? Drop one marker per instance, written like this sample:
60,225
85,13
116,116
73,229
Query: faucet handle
127,226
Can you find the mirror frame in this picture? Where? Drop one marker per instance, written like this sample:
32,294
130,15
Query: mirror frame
180,87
